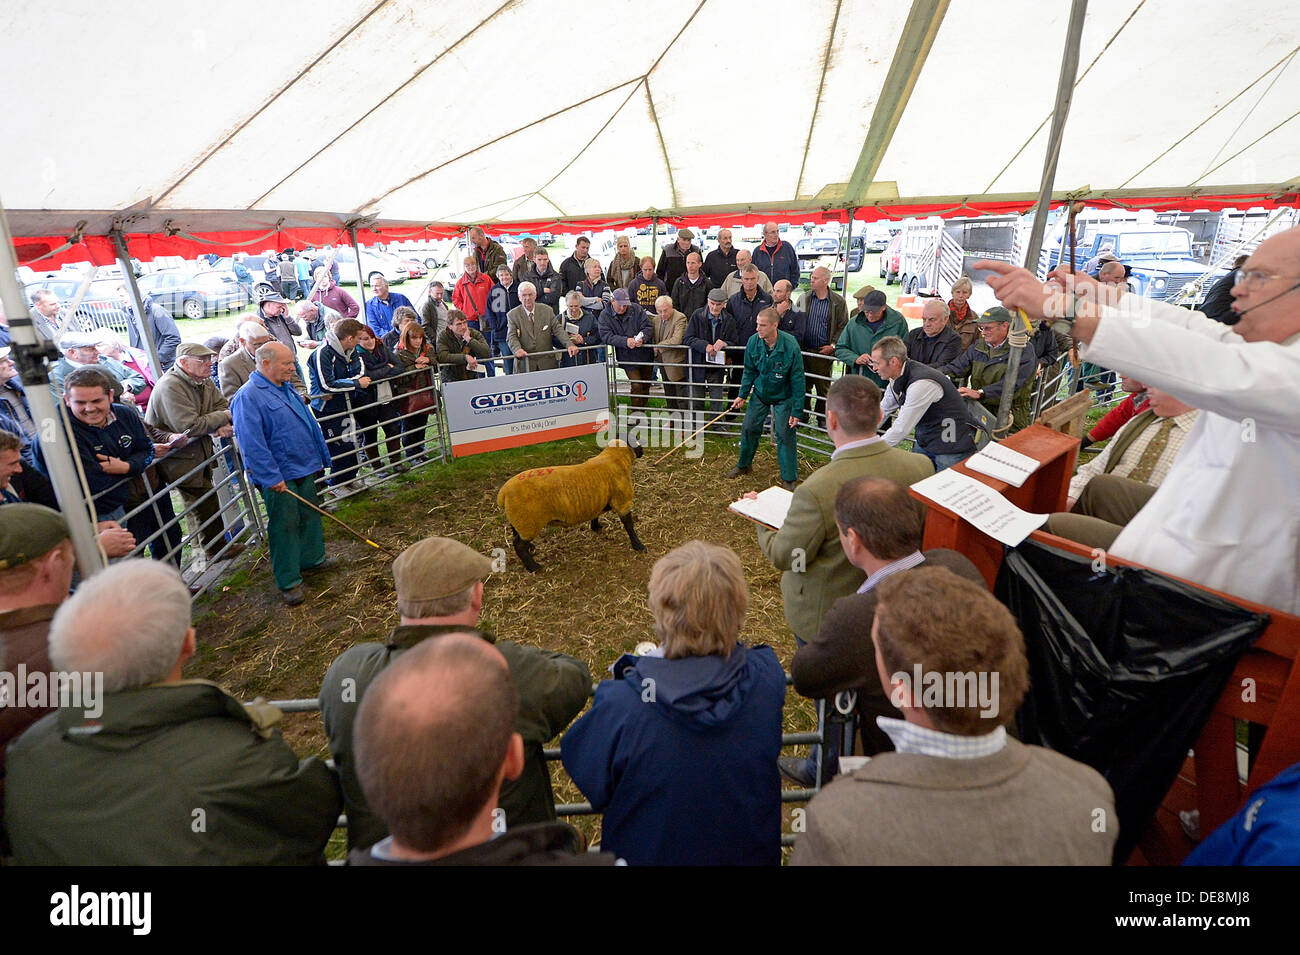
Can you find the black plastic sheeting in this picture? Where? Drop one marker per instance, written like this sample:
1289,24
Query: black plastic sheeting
1125,668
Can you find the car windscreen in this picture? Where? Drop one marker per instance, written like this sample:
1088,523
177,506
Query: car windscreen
1155,243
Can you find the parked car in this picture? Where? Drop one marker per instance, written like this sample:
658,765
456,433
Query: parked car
816,251
197,295
371,264
103,305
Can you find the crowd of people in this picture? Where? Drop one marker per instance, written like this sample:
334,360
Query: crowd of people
437,732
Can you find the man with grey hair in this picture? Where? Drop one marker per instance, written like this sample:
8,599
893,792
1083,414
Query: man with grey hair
925,399
935,343
532,327
143,767
524,264
487,252
284,450
187,402
236,367
439,584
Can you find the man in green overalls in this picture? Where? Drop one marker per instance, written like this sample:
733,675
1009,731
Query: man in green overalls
774,373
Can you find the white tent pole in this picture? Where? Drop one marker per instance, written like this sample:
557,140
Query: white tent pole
1019,338
142,326
361,279
848,254
33,356
654,237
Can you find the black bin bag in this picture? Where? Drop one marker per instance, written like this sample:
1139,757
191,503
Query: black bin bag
1125,667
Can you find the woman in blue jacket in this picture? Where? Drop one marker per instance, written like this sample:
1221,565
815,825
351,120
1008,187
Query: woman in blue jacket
679,750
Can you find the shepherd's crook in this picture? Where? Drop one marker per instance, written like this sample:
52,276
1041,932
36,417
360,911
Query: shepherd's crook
321,510
684,440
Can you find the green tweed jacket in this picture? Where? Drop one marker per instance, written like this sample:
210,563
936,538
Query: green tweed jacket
807,547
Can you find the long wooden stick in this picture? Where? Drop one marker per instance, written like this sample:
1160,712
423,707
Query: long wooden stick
321,510
725,411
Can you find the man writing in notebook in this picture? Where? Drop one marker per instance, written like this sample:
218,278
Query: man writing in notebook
807,546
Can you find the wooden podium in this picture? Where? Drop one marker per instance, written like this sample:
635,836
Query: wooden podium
1264,687
1043,492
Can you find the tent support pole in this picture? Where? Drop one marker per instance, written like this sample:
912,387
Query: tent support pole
33,356
654,237
141,324
361,279
1019,337
848,253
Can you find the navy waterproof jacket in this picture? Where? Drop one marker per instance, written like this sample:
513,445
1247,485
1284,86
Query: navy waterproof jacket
681,757
781,264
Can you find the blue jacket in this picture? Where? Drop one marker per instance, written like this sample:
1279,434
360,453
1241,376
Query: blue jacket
333,377
746,312
124,437
681,756
279,438
500,301
615,329
781,264
379,315
1266,831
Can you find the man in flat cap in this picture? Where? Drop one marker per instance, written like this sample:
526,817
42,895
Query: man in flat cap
439,591
36,564
672,260
186,401
81,350
873,320
985,364
709,332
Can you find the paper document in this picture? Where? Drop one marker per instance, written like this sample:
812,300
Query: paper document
571,327
718,358
1005,464
980,505
768,509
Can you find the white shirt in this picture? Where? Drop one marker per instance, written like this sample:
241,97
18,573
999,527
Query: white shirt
911,738
919,396
1228,514
860,443
903,563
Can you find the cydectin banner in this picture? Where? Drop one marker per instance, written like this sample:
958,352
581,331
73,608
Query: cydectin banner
505,411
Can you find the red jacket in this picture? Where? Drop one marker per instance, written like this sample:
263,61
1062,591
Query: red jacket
1114,419
471,295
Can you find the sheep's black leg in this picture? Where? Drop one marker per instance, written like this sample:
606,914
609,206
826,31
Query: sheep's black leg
595,523
524,549
631,532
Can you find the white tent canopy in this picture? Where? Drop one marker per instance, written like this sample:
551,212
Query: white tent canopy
242,114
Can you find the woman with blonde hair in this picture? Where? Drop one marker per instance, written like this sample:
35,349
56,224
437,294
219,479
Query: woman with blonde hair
961,317
679,750
417,356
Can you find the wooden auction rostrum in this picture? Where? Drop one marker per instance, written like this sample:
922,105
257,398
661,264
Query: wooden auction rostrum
1269,665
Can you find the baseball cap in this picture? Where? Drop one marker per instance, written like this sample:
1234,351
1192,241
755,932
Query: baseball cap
193,350
29,531
717,295
873,299
995,314
437,567
620,295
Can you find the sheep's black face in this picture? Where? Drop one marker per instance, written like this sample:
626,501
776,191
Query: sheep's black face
636,447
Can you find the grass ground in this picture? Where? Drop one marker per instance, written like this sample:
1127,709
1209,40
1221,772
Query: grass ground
588,601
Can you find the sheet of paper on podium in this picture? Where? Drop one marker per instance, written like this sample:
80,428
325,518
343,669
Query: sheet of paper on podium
768,509
980,505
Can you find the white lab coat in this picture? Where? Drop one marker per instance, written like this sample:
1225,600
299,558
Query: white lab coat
1228,514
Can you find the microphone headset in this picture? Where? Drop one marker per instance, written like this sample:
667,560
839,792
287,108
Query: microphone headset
1246,311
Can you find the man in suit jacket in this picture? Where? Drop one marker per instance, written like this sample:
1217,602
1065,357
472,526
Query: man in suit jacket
807,547
958,790
880,529
531,328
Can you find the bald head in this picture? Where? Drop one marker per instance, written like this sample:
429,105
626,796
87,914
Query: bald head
1112,273
1267,294
433,735
276,362
934,316
743,258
